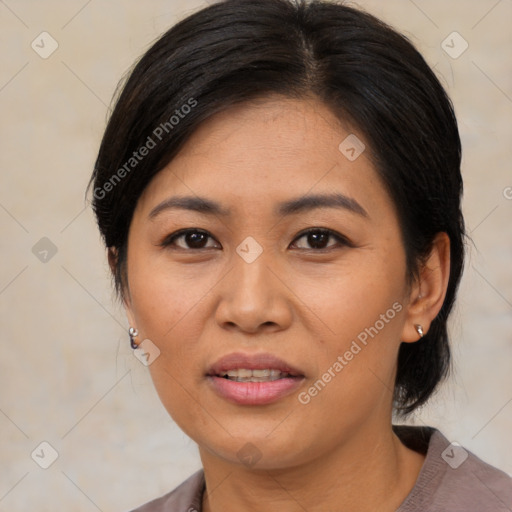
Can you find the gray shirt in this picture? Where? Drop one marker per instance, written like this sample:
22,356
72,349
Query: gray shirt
451,479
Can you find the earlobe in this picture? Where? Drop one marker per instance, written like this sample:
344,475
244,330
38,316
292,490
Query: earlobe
127,303
428,293
133,333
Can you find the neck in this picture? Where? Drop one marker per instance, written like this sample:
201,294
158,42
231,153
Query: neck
368,473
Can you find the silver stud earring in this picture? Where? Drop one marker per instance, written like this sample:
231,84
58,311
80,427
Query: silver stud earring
419,329
133,334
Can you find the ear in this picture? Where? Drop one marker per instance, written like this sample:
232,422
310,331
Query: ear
429,290
112,262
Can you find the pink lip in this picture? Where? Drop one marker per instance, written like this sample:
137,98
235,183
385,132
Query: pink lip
252,362
253,393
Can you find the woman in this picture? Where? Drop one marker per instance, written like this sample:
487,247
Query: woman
279,191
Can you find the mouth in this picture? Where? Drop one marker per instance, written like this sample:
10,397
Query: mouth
248,375
256,379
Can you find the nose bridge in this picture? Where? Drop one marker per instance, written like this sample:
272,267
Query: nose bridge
252,295
252,277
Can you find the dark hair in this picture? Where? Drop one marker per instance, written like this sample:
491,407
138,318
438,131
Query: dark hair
369,75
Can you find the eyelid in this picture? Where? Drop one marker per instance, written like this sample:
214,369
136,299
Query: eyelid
338,236
170,239
343,240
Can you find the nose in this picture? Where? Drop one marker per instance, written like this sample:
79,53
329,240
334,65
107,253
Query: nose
253,299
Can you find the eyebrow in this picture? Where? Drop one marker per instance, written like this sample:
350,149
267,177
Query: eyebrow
311,202
196,204
290,207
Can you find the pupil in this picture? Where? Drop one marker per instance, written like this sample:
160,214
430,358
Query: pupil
195,240
318,240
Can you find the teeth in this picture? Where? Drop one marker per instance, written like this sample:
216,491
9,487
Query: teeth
240,373
246,375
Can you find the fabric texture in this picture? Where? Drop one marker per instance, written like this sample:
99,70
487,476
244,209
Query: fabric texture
451,480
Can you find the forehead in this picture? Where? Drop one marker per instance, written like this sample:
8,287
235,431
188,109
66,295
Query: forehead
262,133
270,150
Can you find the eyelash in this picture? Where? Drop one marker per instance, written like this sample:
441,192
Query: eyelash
342,241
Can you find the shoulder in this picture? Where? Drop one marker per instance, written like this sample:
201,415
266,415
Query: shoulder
187,497
453,478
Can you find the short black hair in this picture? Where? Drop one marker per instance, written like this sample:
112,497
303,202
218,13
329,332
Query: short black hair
368,74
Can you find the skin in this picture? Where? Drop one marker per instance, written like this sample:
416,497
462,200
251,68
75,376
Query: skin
303,304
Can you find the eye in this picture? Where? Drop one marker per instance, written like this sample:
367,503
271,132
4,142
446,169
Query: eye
318,239
190,239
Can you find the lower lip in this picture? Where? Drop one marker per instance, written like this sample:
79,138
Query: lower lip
254,393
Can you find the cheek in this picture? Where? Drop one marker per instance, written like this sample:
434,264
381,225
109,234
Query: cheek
360,311
348,299
170,308
173,319
165,298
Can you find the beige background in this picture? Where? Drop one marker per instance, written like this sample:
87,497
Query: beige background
67,373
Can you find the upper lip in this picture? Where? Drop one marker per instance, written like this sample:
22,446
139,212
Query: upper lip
238,360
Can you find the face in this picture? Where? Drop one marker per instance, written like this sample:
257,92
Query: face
263,247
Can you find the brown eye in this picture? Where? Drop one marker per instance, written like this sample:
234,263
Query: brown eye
190,239
319,239
195,240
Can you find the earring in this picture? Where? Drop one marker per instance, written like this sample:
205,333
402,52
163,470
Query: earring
419,329
133,334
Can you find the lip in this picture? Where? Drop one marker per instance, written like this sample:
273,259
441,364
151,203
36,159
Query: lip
252,362
253,393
